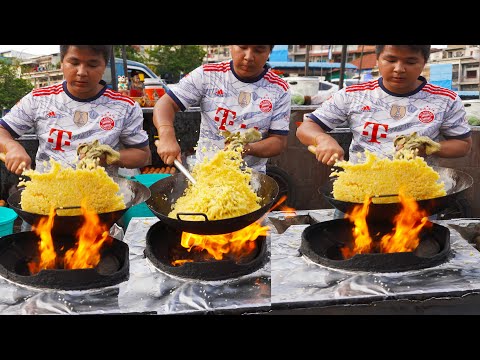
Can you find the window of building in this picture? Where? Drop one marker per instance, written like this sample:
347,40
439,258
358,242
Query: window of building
472,87
471,74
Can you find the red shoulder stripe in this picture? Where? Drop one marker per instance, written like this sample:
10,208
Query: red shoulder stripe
440,91
369,85
223,66
117,96
50,90
275,79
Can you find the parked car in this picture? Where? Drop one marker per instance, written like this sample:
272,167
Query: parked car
472,107
318,90
150,78
325,89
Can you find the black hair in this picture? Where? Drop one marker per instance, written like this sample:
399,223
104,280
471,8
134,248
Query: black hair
105,50
424,49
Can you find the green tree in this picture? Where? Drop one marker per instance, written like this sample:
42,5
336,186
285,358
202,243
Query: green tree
132,52
12,89
175,60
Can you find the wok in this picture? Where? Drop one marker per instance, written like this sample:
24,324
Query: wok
165,193
133,193
456,182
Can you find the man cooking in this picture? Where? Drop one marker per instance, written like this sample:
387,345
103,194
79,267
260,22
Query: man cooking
400,102
234,95
79,110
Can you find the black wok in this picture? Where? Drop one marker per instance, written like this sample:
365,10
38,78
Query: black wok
456,182
165,193
133,193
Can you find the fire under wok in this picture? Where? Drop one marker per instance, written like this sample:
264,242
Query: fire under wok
133,193
165,193
456,182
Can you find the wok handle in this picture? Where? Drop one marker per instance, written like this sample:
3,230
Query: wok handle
380,196
190,214
66,208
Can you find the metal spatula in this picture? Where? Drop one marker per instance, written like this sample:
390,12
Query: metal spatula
184,171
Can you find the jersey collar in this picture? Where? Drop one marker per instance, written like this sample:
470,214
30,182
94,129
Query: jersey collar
262,74
100,93
420,87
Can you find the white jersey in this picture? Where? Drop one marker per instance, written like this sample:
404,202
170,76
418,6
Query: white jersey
229,103
376,116
62,122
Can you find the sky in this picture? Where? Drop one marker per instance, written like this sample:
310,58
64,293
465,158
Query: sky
32,49
50,49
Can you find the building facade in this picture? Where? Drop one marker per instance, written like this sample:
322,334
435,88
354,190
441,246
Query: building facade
464,59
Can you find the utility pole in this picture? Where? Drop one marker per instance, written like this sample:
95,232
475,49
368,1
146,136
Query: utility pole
124,57
478,73
342,66
361,60
307,59
113,70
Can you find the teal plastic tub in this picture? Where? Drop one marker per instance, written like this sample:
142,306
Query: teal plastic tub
7,219
141,210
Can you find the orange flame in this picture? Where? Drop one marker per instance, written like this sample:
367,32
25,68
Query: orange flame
278,203
409,222
48,255
85,254
363,241
91,237
237,244
181,262
404,237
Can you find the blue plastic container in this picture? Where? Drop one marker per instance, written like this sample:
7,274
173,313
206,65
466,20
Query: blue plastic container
7,218
142,210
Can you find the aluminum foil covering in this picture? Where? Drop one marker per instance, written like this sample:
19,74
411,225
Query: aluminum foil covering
299,283
147,291
295,282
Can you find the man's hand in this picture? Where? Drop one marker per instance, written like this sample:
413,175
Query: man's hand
327,150
15,157
168,150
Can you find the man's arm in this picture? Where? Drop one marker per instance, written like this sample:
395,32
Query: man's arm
453,148
132,158
163,117
273,145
